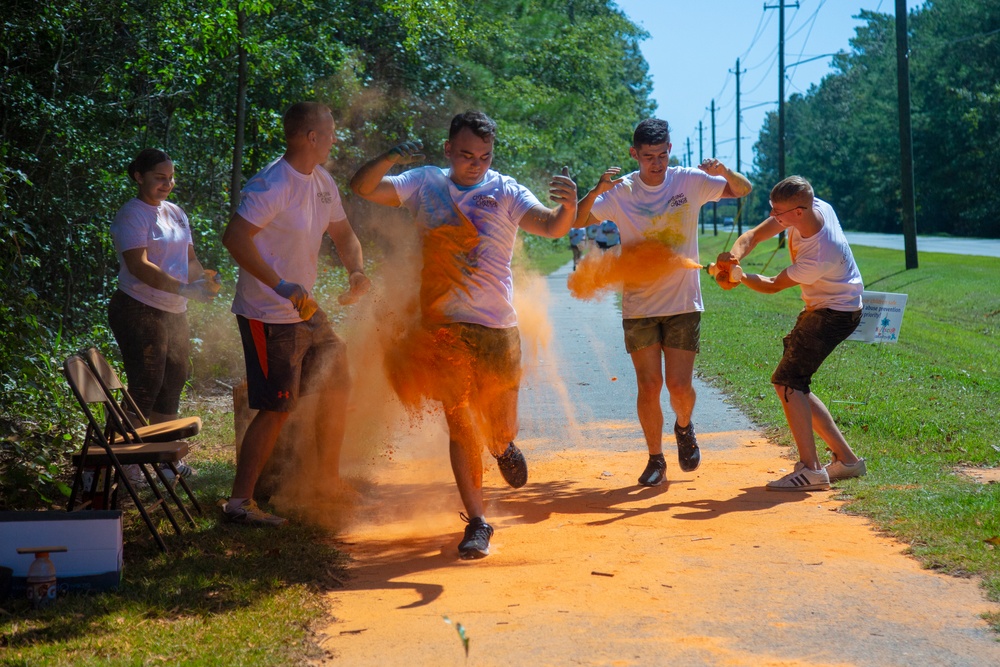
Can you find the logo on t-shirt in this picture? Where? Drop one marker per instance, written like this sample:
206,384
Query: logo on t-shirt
177,218
485,201
678,199
325,197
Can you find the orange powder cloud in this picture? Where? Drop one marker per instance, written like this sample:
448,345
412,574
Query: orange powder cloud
637,264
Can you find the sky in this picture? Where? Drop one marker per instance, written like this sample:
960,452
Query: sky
692,51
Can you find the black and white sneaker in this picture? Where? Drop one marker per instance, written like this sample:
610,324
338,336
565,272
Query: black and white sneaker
802,479
513,466
655,472
476,543
688,454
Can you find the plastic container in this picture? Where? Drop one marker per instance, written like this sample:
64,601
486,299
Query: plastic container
42,588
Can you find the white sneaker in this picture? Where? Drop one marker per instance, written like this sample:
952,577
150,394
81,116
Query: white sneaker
184,469
135,476
837,469
802,479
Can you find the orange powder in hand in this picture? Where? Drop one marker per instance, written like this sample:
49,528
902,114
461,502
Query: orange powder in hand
637,264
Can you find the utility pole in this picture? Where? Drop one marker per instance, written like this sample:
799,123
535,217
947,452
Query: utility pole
715,205
689,151
781,94
701,158
905,138
739,165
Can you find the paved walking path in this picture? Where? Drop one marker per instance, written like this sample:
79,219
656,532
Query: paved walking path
954,246
588,568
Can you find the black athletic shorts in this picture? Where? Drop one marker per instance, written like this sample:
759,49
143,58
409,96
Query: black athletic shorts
286,360
815,335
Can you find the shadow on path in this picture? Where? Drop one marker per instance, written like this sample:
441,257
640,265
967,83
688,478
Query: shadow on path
389,562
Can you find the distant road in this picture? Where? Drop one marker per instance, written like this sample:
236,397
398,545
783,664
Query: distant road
954,246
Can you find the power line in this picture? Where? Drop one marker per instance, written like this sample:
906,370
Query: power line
968,37
812,23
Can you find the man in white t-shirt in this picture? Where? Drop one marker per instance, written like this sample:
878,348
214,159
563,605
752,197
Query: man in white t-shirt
662,318
468,216
823,266
289,345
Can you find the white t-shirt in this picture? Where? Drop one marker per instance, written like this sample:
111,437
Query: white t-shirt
824,266
293,211
466,275
166,235
667,213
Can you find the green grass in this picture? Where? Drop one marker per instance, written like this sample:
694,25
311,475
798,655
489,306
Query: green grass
915,409
224,595
542,255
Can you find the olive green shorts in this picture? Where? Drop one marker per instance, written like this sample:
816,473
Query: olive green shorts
681,332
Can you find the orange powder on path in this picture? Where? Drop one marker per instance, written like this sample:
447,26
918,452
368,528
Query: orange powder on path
637,264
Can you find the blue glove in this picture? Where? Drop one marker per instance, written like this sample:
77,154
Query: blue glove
294,292
407,152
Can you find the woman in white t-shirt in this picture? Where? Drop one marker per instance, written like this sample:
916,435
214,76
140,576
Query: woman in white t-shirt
159,273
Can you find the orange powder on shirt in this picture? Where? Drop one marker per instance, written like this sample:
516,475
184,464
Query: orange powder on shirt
446,269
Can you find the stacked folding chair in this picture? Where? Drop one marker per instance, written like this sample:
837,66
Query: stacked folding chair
115,441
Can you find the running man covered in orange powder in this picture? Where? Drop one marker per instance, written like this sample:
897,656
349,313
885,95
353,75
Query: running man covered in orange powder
656,210
465,350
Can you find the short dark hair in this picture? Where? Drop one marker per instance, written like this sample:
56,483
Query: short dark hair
146,160
303,116
481,125
651,132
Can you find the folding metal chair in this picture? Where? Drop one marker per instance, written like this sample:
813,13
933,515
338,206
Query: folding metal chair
143,431
99,452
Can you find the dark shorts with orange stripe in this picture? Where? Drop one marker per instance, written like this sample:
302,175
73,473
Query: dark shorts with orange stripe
284,361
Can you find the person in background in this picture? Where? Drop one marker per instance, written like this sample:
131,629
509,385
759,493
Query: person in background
159,273
823,267
289,345
611,236
591,232
576,237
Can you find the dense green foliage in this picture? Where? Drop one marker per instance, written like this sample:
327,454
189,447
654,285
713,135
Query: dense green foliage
86,85
843,133
221,586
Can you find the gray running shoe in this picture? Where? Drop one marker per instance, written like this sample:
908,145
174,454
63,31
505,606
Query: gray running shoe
476,543
655,472
688,454
513,466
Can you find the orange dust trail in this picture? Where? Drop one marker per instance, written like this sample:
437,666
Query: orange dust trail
636,264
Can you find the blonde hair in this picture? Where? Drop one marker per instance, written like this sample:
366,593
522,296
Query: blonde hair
795,190
302,117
